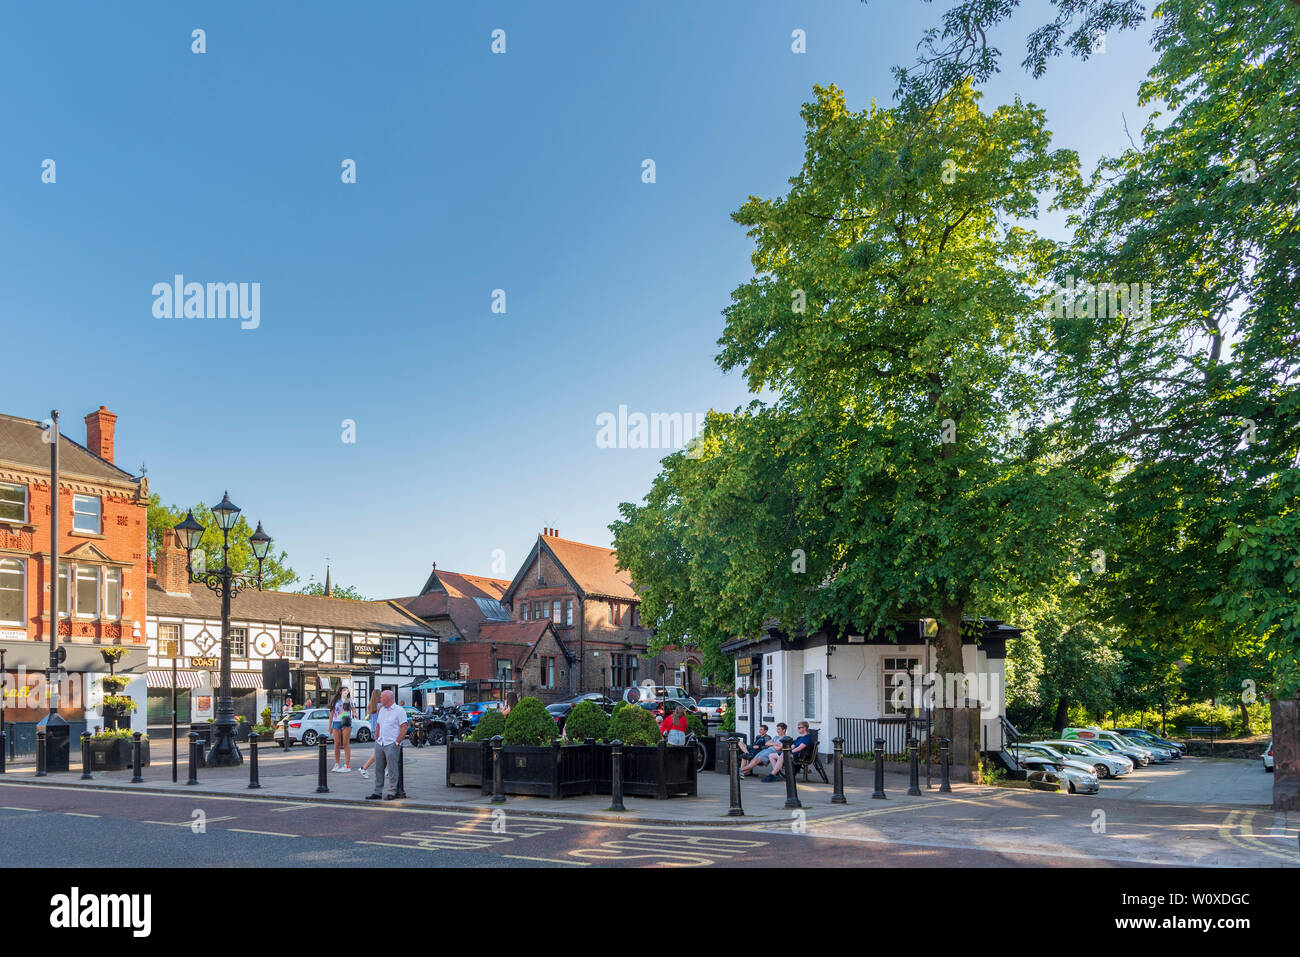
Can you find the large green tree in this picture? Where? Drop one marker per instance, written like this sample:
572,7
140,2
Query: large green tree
901,468
162,518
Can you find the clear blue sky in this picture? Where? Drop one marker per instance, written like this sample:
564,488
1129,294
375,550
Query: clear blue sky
474,172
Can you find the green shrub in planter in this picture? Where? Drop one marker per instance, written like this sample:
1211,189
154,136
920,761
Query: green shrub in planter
120,703
729,718
633,726
529,723
114,684
489,726
586,720
695,726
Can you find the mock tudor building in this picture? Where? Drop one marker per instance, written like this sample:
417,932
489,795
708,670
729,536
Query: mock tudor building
328,643
101,569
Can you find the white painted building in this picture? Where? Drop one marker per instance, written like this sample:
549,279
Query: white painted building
859,687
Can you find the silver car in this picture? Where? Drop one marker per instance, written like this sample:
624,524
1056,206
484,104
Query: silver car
1077,779
1105,764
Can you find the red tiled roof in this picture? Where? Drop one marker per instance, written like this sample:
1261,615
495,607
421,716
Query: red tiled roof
595,569
529,632
455,600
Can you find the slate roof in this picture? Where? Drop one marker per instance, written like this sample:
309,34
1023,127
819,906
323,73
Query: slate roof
21,444
305,610
523,632
451,595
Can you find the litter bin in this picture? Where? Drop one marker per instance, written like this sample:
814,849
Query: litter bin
58,741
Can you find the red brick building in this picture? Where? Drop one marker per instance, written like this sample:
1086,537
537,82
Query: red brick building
101,550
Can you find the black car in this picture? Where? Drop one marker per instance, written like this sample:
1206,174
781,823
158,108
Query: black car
560,709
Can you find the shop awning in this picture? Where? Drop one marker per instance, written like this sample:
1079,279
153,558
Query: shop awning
163,679
242,679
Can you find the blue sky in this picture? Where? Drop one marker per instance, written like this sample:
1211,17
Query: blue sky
475,172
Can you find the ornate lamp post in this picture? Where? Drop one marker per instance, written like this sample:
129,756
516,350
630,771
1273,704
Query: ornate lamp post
226,583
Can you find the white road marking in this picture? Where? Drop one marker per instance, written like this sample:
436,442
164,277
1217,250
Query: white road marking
244,830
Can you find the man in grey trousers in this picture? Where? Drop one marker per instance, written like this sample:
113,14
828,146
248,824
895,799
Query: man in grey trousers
390,731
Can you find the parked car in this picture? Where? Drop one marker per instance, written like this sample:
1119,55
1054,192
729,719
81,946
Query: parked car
560,709
1147,738
308,727
1103,764
712,709
1156,755
1268,758
1039,750
1140,759
476,709
1076,781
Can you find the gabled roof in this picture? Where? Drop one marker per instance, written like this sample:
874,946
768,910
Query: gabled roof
592,569
301,610
530,632
459,597
21,443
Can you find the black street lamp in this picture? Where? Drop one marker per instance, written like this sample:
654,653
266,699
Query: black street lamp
227,584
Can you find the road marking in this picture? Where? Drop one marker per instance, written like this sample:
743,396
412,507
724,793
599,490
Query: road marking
190,823
244,830
32,809
295,807
78,814
1248,840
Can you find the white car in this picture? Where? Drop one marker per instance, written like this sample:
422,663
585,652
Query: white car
1077,780
1268,757
1104,764
308,727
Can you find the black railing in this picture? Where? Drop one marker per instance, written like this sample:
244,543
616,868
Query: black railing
860,734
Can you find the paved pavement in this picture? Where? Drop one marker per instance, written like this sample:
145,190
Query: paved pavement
975,825
1232,781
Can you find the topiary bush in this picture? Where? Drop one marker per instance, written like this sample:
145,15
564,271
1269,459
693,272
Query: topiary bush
633,725
586,720
489,726
529,723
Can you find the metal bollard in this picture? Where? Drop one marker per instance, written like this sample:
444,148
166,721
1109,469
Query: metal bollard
3,750
616,775
401,774
40,752
322,786
194,758
879,792
85,756
136,776
837,769
787,768
733,765
253,783
498,794
914,770
944,786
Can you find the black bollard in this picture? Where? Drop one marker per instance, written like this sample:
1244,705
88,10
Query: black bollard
136,776
3,749
253,783
879,792
40,752
401,774
322,785
194,758
838,770
85,756
944,786
498,794
914,769
787,768
616,775
733,766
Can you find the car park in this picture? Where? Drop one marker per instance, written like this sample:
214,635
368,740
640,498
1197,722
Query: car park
1268,757
1039,750
1139,759
1125,746
1146,738
1104,765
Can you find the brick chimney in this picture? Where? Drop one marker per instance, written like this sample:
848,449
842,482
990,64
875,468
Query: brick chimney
169,565
99,433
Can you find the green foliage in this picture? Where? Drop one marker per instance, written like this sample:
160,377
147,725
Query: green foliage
695,726
349,592
275,570
633,725
262,730
116,734
112,684
586,720
1206,715
266,717
529,723
729,717
489,726
119,702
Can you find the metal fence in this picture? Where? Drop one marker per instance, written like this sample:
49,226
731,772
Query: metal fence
860,734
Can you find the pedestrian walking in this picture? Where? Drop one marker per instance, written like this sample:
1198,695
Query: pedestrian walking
341,728
372,715
390,731
675,726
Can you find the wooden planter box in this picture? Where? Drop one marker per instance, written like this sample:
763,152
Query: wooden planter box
555,772
115,754
469,765
661,771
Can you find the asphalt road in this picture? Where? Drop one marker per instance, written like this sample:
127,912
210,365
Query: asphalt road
69,826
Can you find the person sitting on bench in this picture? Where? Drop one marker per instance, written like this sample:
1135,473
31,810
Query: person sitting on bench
758,744
764,754
800,744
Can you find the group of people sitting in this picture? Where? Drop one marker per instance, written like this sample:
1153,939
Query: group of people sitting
771,752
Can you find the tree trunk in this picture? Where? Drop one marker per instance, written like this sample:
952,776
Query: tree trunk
1286,754
1062,714
1245,718
948,660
